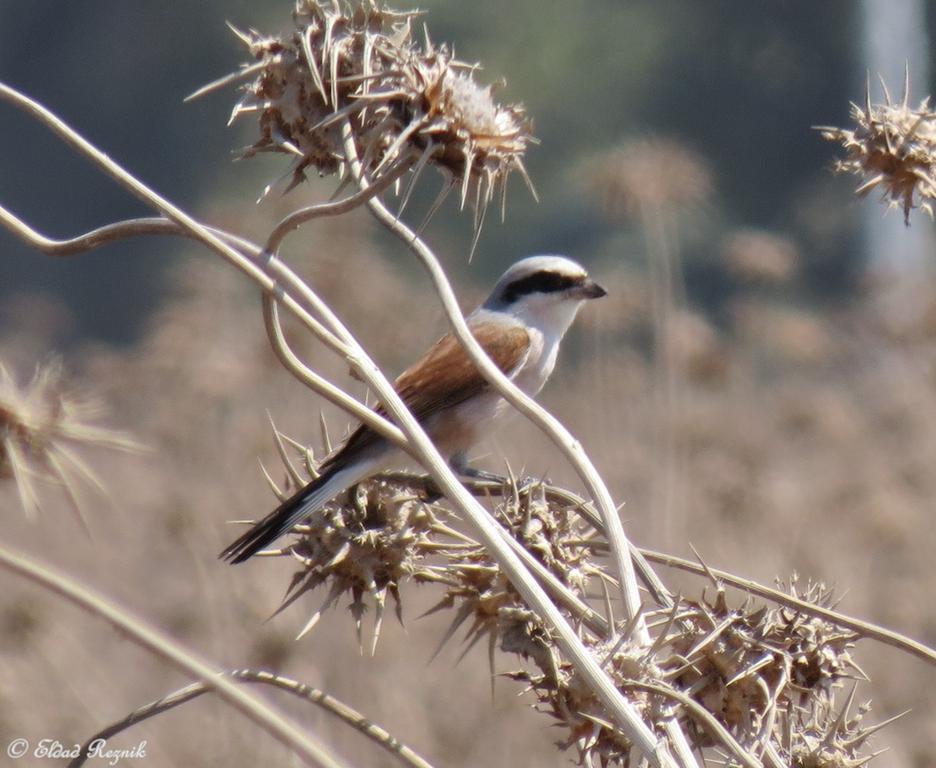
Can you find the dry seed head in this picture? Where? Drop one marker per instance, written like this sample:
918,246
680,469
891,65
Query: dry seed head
365,545
481,591
41,424
752,667
406,102
786,332
647,174
562,694
828,737
696,348
892,146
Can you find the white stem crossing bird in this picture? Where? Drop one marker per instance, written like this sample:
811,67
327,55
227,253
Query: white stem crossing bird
519,326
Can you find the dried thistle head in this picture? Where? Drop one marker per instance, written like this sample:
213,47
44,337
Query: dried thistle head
41,425
647,174
563,695
788,333
406,103
364,546
830,737
479,590
892,146
696,348
761,669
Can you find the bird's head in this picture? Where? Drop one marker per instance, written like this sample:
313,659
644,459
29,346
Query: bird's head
544,291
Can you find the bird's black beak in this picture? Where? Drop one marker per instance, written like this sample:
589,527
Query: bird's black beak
591,290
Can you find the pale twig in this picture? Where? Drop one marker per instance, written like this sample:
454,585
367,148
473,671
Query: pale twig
490,532
304,215
863,628
141,191
327,702
715,729
549,424
421,447
160,226
293,363
275,723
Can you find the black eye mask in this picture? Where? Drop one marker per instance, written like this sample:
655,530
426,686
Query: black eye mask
540,282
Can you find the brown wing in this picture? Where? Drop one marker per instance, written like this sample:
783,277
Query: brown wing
446,376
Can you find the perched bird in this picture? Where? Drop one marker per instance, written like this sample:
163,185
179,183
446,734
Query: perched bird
520,326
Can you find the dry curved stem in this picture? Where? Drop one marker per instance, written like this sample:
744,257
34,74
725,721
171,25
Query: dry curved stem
701,715
863,628
150,638
493,535
330,704
304,215
420,446
337,396
123,230
547,423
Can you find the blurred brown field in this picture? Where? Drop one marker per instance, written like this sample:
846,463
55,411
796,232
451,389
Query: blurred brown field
802,442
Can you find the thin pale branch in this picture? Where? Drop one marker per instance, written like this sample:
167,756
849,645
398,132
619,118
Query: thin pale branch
330,704
549,424
163,646
160,226
863,628
421,447
702,715
304,215
490,532
335,395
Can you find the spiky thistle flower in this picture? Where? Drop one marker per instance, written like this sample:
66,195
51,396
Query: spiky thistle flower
891,147
365,544
768,675
481,594
830,737
407,103
389,530
41,425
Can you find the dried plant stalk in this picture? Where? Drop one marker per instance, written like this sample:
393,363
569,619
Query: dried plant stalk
621,710
753,680
339,709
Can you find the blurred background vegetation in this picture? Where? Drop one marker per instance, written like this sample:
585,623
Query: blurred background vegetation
768,396
738,84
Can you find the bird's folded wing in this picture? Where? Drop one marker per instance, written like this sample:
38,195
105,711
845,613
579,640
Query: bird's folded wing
446,376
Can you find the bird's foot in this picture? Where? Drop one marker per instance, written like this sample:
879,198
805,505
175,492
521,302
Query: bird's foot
472,473
523,484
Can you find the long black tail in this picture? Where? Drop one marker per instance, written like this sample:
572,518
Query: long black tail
302,503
